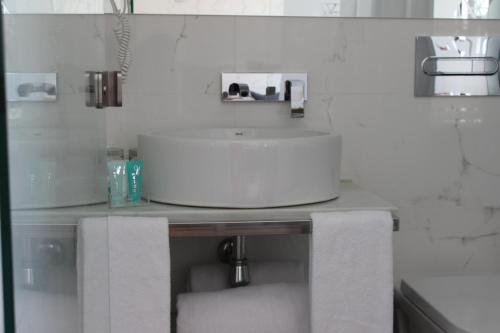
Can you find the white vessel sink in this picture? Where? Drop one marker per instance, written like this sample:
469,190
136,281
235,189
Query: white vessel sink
241,167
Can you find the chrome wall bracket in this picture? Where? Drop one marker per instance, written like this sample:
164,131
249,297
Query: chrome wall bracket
104,89
457,66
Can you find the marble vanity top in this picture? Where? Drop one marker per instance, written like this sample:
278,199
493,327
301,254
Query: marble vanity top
352,197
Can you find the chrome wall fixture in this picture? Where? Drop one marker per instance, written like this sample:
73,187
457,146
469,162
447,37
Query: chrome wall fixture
104,89
267,87
457,66
31,87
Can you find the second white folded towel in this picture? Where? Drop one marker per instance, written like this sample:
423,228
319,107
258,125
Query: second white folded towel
273,308
351,272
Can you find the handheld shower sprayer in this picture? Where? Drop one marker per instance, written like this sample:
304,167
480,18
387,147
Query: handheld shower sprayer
122,33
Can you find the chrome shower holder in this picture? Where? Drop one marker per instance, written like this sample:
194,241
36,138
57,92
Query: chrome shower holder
104,89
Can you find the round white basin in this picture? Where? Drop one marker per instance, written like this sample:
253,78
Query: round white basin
240,167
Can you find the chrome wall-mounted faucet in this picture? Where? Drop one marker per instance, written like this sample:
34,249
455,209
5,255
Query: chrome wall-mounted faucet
25,89
31,87
267,87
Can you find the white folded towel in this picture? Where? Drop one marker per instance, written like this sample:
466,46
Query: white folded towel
124,275
214,277
93,275
351,277
273,308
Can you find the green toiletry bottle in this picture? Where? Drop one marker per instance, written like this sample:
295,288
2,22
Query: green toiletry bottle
134,177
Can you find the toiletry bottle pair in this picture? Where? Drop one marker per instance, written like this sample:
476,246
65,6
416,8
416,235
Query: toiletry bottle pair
124,179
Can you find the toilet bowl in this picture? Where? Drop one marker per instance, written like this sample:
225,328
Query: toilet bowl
451,304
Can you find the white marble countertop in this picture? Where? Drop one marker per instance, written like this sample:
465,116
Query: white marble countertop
352,197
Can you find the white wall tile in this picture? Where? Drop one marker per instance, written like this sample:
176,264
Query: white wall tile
285,45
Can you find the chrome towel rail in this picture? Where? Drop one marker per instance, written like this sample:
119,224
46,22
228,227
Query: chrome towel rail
248,228
225,228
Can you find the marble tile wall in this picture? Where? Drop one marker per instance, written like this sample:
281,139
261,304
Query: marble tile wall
435,158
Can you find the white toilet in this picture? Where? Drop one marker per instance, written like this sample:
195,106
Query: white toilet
451,304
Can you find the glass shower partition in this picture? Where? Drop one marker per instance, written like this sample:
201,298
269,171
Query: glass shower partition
57,157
